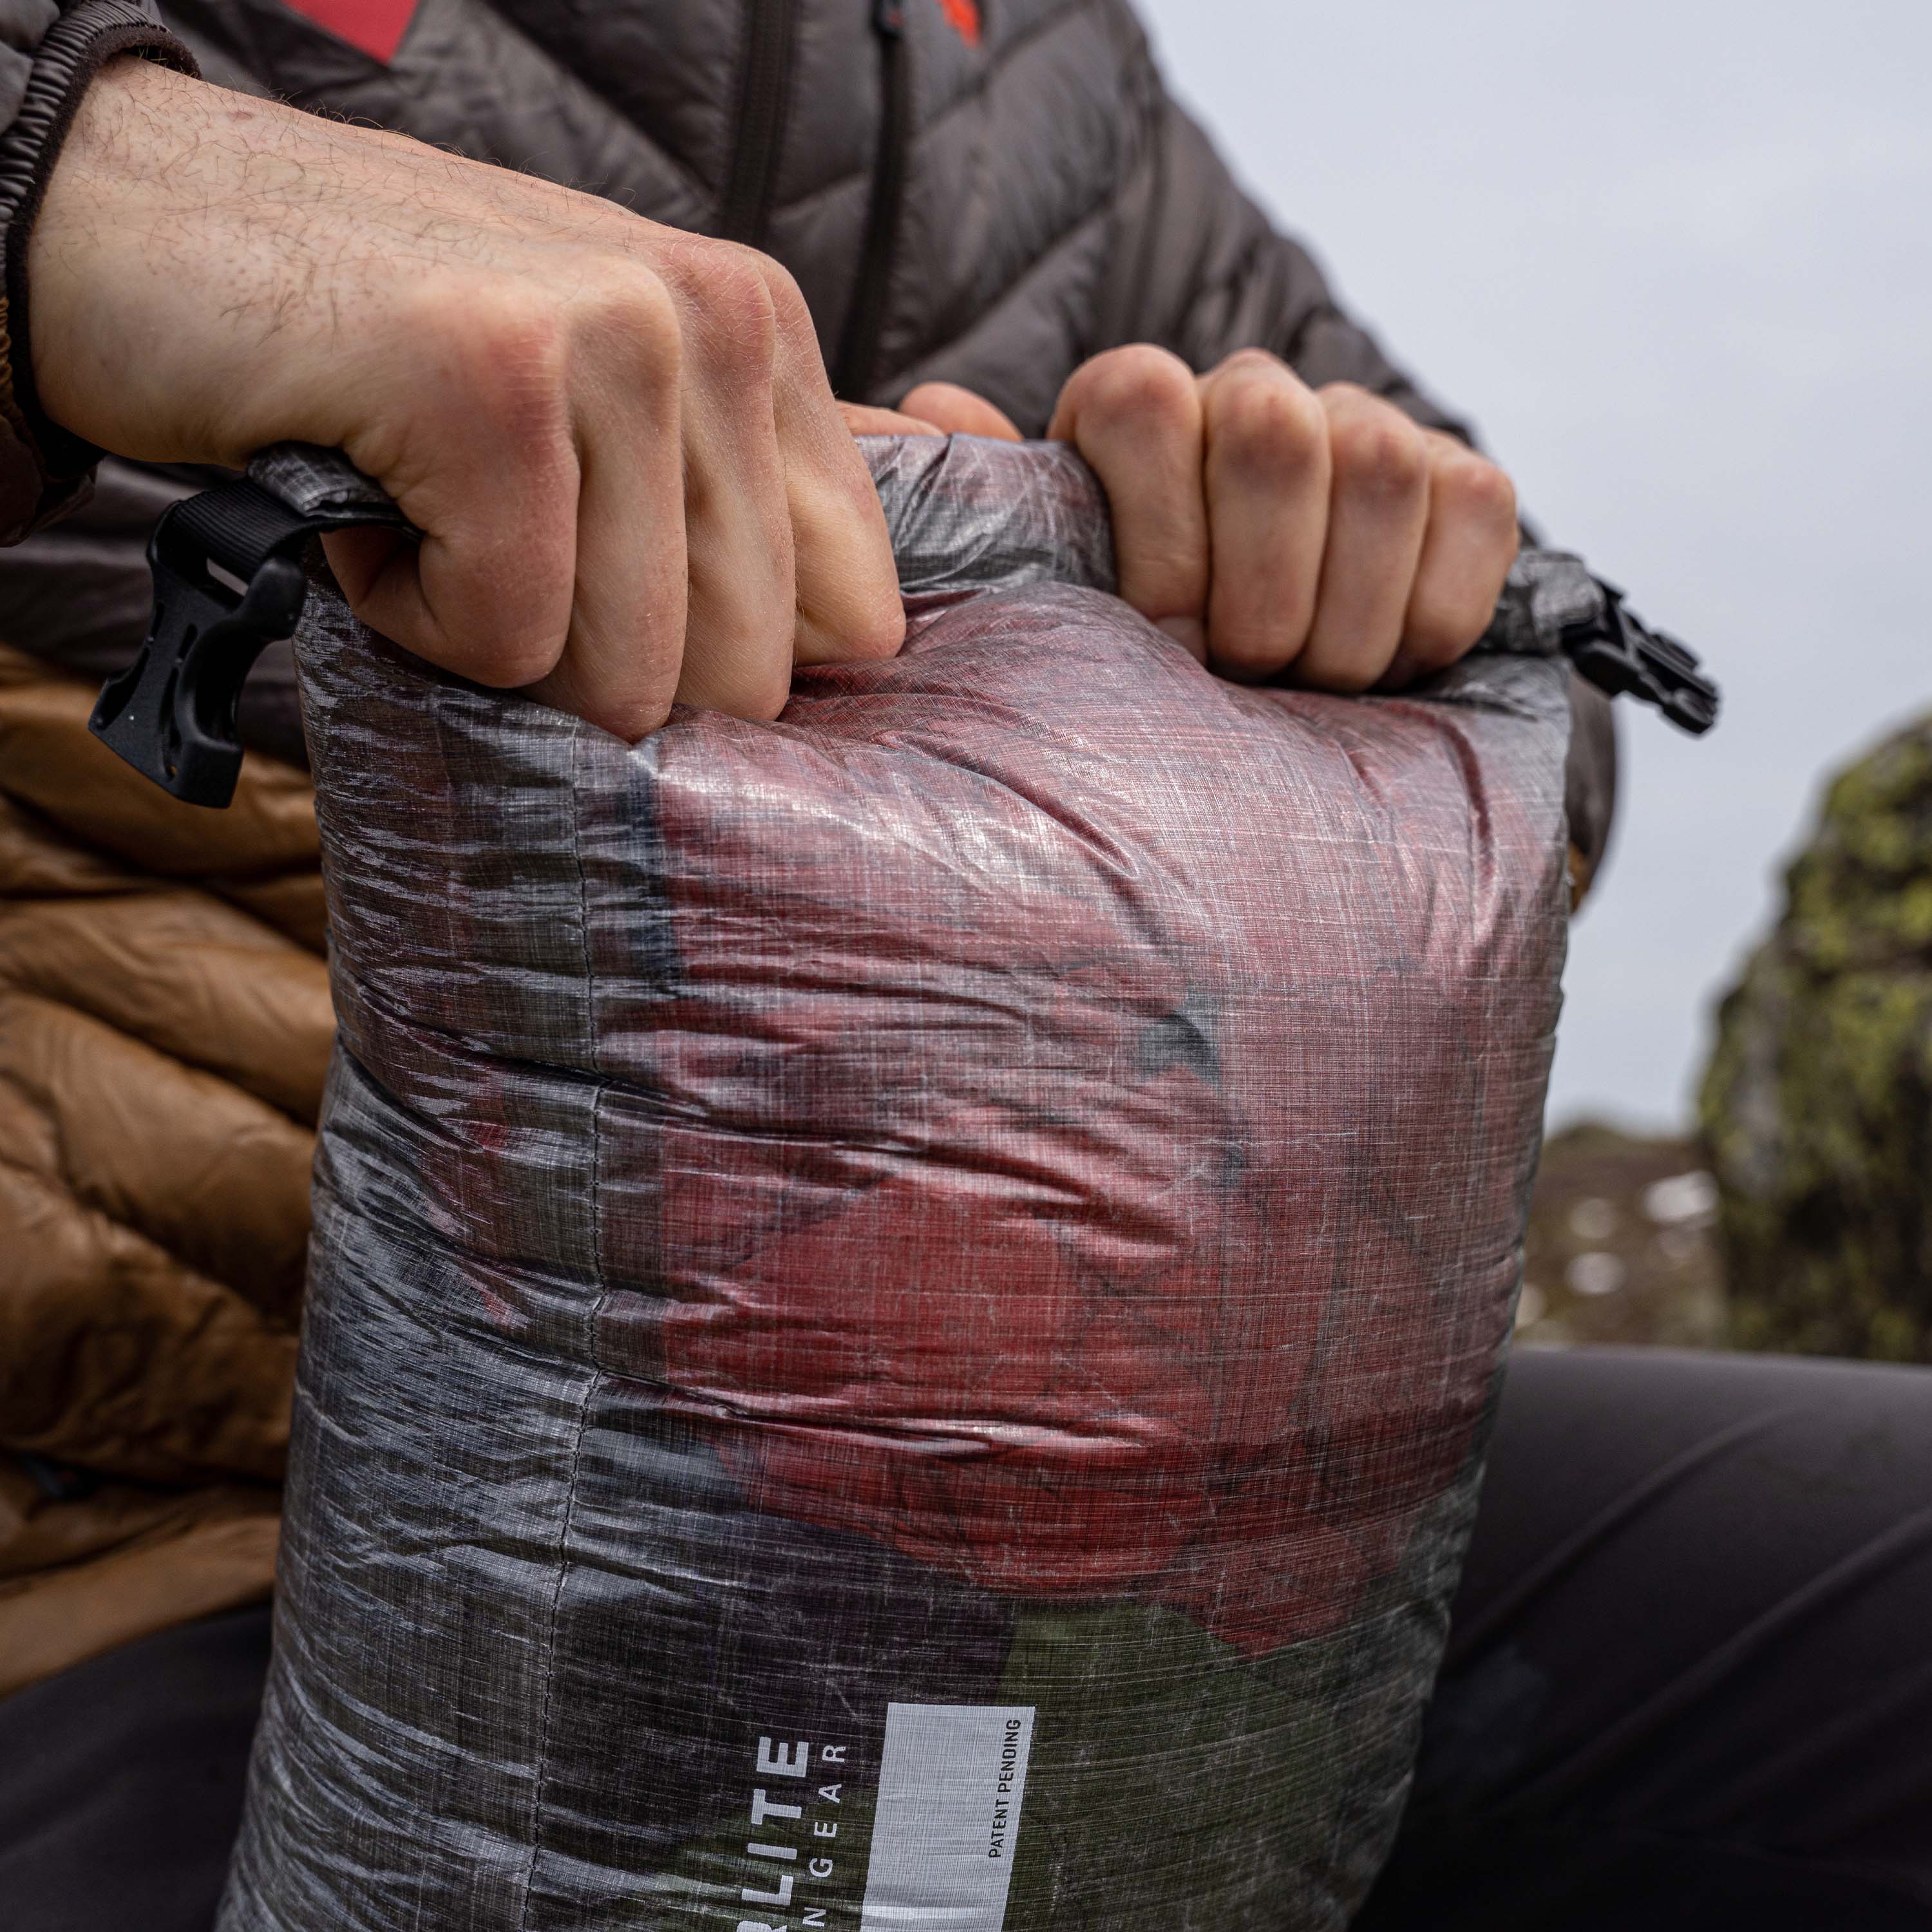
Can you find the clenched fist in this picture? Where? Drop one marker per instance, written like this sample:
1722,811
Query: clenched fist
1272,527
618,439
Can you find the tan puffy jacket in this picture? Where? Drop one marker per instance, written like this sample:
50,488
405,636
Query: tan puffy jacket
165,1028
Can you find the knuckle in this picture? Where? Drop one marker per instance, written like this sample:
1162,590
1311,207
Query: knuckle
737,300
1481,489
1381,453
1163,577
635,309
1344,397
763,693
501,349
1252,362
509,661
1261,422
1346,677
878,631
1139,383
1440,629
860,621
791,312
631,722
1249,653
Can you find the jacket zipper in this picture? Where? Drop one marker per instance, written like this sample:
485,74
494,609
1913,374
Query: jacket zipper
858,359
764,90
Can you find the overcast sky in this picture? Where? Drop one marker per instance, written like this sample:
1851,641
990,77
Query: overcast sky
1674,257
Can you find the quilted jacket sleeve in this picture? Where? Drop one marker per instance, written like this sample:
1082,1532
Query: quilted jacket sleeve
50,50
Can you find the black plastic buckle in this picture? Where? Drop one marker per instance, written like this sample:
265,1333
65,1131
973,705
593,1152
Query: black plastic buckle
1617,651
171,714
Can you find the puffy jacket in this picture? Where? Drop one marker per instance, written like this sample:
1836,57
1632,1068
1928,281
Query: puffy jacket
985,191
164,1028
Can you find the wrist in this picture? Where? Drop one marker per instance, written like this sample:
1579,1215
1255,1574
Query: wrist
74,266
97,37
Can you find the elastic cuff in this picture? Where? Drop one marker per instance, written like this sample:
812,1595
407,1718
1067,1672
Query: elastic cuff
78,45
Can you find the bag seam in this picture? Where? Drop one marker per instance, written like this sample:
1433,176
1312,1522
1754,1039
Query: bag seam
592,1366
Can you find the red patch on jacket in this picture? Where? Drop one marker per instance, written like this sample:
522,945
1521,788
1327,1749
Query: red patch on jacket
963,16
376,26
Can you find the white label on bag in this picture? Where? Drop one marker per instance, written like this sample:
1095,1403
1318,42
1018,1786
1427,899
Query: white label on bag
951,1784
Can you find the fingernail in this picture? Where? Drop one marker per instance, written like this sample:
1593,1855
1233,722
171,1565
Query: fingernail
1190,633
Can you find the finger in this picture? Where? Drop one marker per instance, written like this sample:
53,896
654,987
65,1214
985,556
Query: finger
738,635
1267,474
862,419
958,412
450,598
1136,415
624,654
1470,542
847,604
1378,512
479,455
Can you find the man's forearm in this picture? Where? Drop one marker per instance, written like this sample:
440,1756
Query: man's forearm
48,59
618,439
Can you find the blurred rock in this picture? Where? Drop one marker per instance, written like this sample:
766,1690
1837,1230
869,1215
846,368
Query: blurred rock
1817,1105
1621,1246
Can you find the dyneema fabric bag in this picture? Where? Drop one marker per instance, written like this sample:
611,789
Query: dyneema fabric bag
905,1303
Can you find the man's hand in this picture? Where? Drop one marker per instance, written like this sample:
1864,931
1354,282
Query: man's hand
1274,528
618,439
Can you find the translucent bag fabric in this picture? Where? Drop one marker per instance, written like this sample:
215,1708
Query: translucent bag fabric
904,1302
